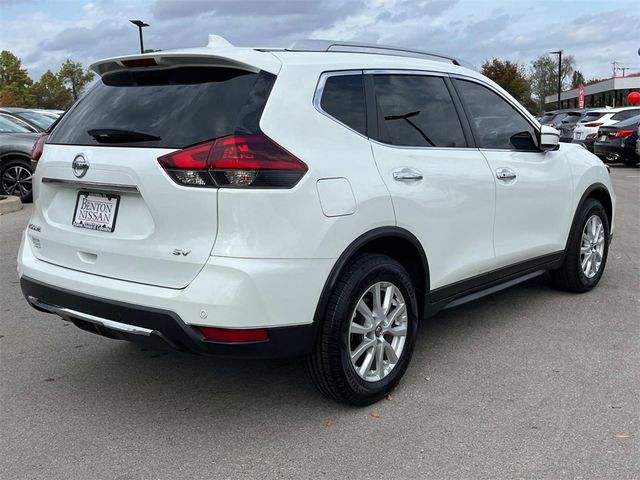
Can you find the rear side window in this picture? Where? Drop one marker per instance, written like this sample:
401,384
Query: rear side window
498,124
343,99
170,108
416,111
625,114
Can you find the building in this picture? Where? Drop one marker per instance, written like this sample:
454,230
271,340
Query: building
612,92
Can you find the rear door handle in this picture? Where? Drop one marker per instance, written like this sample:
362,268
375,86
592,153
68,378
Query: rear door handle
505,174
406,174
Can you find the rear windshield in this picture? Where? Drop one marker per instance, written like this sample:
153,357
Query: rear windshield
547,117
170,108
591,117
623,115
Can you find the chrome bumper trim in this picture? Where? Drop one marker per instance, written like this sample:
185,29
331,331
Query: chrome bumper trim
67,314
96,186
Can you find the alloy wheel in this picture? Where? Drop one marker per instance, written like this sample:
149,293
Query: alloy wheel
16,180
592,246
378,331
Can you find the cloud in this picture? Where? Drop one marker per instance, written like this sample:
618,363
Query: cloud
520,31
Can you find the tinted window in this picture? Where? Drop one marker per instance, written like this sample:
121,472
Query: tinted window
416,110
625,114
498,124
8,125
42,121
343,99
173,108
547,117
591,117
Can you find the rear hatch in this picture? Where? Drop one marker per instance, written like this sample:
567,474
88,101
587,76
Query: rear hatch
105,205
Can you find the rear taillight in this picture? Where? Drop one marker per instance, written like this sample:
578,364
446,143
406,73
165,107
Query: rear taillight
620,133
239,161
139,62
593,124
38,147
229,335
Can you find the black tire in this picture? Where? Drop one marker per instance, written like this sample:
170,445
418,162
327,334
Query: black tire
330,364
571,276
10,185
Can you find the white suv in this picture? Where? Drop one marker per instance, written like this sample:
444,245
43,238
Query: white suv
318,200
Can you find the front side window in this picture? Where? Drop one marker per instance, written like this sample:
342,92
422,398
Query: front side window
343,99
498,124
416,110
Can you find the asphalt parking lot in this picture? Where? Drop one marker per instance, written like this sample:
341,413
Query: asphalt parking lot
528,383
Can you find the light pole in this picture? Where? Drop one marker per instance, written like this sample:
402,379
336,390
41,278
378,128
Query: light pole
140,24
559,53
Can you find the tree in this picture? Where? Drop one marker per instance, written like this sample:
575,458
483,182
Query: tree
577,79
50,92
543,76
508,75
14,81
74,77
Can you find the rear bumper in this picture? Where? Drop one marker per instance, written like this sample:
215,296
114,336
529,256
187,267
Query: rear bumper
585,143
280,295
605,151
157,328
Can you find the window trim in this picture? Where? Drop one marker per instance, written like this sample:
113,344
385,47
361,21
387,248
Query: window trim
317,98
518,108
457,105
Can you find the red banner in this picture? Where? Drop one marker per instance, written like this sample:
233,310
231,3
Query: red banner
580,96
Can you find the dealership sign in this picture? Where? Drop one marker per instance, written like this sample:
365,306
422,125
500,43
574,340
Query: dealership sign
580,96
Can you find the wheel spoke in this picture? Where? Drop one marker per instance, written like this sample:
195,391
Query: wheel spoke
366,344
391,353
364,310
388,298
356,328
377,298
11,188
366,364
585,261
399,331
397,312
379,360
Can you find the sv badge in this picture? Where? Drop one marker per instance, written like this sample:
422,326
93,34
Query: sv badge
179,252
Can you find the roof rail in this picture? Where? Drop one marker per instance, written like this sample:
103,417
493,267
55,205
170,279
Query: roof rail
355,47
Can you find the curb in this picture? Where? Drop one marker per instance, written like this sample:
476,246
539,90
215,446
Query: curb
9,204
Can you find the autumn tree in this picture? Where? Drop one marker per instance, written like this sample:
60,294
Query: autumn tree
543,76
50,92
14,81
74,77
509,75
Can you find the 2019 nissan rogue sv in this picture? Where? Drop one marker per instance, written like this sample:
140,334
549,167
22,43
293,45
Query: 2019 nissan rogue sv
318,200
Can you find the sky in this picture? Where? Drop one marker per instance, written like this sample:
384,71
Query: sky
43,33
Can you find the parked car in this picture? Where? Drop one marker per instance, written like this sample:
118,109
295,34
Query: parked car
617,143
292,220
39,121
568,124
554,117
638,143
586,131
16,143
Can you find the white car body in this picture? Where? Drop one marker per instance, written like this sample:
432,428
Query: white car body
235,258
589,128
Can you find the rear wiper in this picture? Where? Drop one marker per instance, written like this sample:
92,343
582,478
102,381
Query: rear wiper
113,135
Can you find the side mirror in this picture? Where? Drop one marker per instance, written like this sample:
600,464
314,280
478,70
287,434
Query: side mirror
549,138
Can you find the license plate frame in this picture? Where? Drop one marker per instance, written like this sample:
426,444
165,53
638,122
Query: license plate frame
100,211
602,138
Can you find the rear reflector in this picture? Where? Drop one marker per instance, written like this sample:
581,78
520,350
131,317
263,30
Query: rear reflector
234,335
239,161
38,147
139,62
